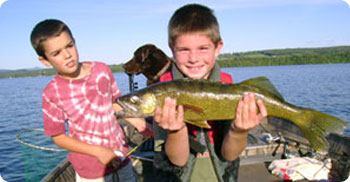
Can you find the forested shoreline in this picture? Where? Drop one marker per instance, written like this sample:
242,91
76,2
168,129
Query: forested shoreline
326,55
274,57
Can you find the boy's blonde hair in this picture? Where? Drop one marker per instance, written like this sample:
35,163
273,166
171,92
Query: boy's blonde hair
193,18
44,30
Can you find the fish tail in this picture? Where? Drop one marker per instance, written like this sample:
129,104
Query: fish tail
316,125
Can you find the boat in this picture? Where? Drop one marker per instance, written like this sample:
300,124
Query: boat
261,150
64,171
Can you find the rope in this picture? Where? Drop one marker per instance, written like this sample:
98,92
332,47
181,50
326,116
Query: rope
33,145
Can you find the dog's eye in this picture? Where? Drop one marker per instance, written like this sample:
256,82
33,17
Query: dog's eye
135,99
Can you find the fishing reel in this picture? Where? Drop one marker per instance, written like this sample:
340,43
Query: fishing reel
290,148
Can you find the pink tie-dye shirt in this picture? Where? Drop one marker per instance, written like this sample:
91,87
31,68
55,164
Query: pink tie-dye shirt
86,104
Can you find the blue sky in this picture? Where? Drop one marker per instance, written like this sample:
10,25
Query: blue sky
110,31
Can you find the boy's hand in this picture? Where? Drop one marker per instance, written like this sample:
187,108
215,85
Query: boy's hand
247,116
148,131
168,117
105,155
116,162
141,125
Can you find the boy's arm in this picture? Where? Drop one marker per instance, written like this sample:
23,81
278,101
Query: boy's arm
246,118
177,146
103,154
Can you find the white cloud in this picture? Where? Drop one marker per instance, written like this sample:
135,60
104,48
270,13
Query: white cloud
347,2
2,2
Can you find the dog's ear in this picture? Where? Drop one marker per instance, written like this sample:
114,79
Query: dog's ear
144,54
147,50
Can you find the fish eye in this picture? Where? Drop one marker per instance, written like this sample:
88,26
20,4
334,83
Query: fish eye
135,99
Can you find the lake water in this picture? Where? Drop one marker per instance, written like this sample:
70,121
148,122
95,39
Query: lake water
322,87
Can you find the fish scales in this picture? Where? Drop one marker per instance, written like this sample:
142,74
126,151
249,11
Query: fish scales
218,100
206,97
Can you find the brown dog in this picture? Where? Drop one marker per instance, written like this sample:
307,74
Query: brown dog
150,61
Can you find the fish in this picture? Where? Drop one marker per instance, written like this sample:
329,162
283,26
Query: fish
204,100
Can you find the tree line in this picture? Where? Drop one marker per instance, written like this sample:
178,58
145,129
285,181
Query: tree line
284,60
274,57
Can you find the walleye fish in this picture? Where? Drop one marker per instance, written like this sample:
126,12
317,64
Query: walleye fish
208,100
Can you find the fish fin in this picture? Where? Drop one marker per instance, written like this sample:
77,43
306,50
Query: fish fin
264,84
201,124
193,108
317,125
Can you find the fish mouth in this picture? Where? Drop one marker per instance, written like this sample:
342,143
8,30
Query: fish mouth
128,110
121,113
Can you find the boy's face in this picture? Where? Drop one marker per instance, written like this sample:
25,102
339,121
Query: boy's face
61,53
195,54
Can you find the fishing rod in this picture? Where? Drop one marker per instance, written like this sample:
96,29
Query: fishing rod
132,84
123,157
135,148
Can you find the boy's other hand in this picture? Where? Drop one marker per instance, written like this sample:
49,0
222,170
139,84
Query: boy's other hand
248,115
170,118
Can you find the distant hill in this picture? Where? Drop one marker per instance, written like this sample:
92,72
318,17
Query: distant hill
33,72
4,71
322,55
26,73
34,68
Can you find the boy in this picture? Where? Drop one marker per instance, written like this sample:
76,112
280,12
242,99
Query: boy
186,152
82,95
